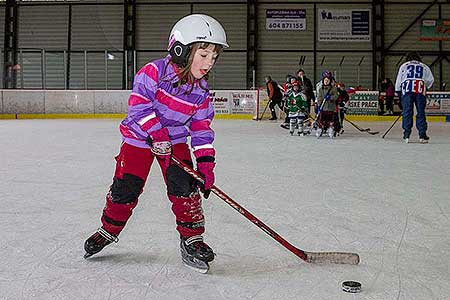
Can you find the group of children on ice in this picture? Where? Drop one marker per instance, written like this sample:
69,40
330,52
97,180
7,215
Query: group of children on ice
330,107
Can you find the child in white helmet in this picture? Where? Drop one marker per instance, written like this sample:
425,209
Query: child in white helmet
169,103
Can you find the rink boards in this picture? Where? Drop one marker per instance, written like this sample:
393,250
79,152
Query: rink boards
88,104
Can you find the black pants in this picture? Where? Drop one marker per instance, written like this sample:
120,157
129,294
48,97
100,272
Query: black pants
272,105
389,103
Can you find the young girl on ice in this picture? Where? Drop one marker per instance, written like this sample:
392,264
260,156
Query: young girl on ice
169,102
327,95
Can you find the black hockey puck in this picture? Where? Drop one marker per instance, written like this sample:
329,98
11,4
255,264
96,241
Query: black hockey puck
351,286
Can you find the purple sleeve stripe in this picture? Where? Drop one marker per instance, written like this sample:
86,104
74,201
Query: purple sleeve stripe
140,111
207,113
202,137
142,90
157,126
181,140
172,121
176,132
144,79
209,117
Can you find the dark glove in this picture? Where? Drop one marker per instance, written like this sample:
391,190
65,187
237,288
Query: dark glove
205,166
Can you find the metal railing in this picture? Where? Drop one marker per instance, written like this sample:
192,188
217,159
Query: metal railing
60,69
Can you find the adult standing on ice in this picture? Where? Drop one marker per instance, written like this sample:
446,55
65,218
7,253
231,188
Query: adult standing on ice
169,102
413,80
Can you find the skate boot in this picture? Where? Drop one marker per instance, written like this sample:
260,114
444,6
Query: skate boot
405,137
291,132
331,133
319,132
96,242
196,254
274,116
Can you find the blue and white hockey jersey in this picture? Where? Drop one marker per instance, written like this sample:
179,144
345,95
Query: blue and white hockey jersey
414,76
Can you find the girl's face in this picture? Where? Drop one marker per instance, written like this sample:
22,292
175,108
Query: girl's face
203,61
326,81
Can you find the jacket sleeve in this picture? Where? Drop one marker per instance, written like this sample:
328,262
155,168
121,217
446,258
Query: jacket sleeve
398,81
271,91
141,112
428,77
202,136
308,86
320,95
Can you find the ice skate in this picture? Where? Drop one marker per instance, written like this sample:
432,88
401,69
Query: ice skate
274,116
196,254
331,134
319,132
99,240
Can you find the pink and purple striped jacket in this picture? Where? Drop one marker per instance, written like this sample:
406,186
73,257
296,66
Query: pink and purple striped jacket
156,102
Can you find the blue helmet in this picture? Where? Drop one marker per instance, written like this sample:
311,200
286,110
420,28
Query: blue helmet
327,74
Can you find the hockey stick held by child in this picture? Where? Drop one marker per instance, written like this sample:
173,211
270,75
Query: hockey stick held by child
311,257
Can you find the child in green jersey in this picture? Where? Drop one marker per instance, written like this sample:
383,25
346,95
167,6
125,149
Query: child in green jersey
297,109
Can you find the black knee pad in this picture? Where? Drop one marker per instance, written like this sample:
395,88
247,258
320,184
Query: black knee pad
127,189
179,183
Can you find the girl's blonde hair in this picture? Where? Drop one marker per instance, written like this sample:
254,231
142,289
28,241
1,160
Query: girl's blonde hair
184,73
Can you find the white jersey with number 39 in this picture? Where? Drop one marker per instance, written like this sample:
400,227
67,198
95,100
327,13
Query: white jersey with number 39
414,76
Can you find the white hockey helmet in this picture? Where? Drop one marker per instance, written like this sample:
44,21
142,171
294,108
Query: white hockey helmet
191,29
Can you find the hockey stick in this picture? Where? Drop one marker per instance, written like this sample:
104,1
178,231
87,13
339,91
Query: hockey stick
362,129
311,257
264,111
391,126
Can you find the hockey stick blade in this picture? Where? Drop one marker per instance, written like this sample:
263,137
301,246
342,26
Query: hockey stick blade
311,257
362,129
347,258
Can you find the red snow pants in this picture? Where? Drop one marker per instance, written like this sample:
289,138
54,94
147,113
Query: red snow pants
132,168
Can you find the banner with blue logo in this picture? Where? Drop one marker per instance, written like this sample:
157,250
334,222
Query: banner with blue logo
438,103
349,25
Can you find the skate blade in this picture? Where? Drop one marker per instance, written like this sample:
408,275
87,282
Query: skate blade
196,265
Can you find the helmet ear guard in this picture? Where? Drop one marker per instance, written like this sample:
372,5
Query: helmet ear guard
180,53
192,29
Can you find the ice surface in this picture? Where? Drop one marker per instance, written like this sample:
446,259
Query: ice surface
383,199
